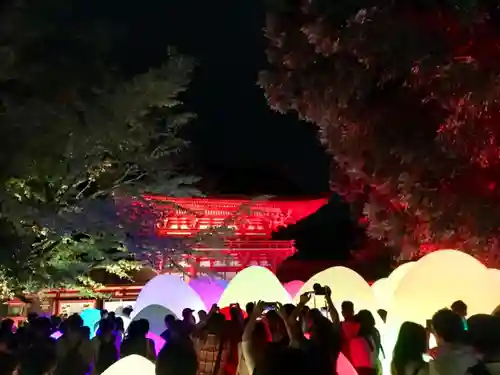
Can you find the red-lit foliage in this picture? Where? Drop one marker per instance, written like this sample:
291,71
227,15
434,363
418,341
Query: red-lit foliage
406,97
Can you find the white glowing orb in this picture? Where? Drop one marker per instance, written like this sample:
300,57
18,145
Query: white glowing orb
253,284
394,279
293,287
346,285
155,315
435,282
380,292
170,292
131,365
495,273
439,279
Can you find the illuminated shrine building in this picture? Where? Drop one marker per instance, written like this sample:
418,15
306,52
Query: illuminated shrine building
251,242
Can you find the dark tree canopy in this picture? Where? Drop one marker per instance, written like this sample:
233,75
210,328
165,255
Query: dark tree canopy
78,136
406,96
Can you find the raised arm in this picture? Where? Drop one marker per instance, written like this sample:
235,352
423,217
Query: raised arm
334,314
246,340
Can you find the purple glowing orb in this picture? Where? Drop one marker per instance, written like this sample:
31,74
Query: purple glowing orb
208,289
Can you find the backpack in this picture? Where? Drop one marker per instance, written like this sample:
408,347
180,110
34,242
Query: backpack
478,369
107,355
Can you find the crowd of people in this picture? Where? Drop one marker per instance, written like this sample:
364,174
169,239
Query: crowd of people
264,339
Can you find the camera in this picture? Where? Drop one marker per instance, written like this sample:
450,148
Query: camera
320,290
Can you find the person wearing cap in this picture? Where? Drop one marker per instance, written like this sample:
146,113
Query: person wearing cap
188,321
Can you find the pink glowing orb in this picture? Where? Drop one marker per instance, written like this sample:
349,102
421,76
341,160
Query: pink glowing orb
344,367
209,289
159,342
293,287
56,335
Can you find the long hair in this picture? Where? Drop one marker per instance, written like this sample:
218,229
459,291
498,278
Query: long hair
410,346
367,328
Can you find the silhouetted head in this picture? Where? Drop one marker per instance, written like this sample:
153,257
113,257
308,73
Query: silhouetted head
410,346
448,327
177,358
459,308
7,325
169,321
347,310
202,315
383,314
138,328
41,327
106,327
366,322
73,323
187,315
249,308
484,335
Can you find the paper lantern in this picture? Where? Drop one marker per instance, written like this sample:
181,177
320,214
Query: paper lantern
91,318
155,315
131,365
208,289
170,292
158,341
253,284
293,287
346,285
435,282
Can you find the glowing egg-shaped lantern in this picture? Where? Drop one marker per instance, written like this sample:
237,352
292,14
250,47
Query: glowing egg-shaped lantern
395,278
170,292
435,282
158,341
223,283
346,285
155,315
208,289
439,279
344,367
91,318
293,287
380,292
131,365
495,273
253,284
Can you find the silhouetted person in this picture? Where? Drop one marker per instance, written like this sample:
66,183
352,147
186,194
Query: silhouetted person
408,353
484,334
460,308
177,359
453,356
105,346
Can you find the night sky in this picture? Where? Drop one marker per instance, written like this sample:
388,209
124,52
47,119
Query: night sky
239,146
